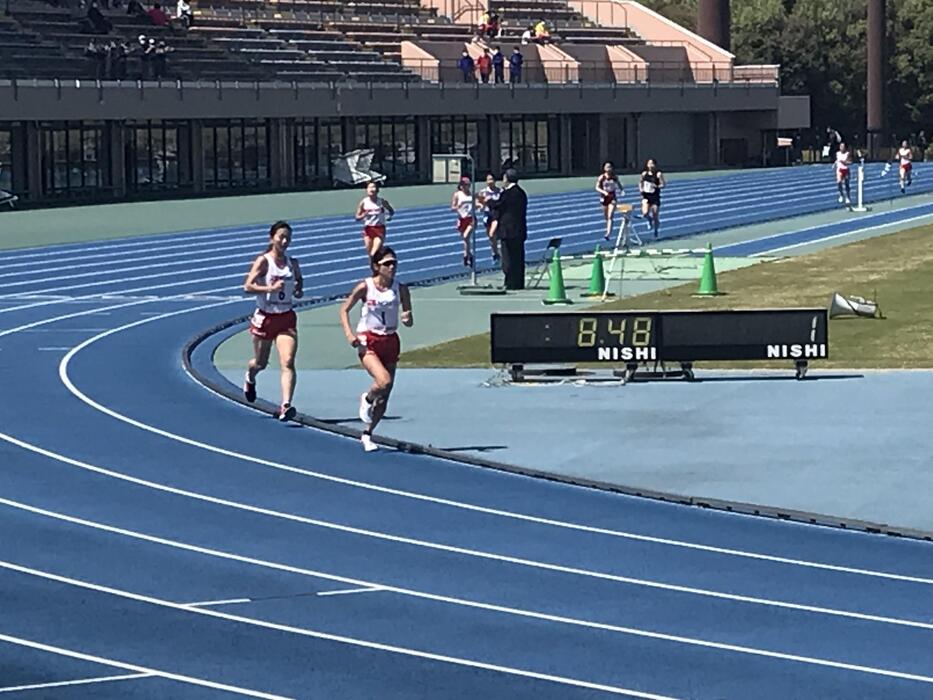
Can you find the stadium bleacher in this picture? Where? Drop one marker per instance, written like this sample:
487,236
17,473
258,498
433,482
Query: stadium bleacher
285,40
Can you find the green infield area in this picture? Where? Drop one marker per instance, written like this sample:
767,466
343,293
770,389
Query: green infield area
896,269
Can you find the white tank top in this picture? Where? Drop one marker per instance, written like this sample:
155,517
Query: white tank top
374,213
380,309
281,301
464,205
841,160
490,195
610,186
905,155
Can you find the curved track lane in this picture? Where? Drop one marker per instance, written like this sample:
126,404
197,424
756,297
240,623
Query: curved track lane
190,547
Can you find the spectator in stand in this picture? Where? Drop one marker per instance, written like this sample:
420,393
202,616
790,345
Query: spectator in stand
527,36
542,33
160,59
482,28
97,23
467,67
922,142
95,52
515,66
121,51
157,16
135,8
498,66
183,14
495,26
484,63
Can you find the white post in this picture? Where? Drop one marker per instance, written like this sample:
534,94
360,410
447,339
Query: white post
861,187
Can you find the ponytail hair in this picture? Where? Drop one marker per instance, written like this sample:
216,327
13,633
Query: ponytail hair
275,229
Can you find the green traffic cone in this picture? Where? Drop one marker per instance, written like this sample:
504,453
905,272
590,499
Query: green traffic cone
708,286
555,292
597,278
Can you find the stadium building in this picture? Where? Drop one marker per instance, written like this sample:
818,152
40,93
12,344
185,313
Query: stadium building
104,103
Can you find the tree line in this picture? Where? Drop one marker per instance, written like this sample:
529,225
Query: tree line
820,46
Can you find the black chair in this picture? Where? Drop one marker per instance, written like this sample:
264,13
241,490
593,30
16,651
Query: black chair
544,265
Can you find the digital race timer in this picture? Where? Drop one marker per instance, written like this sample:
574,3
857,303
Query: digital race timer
627,337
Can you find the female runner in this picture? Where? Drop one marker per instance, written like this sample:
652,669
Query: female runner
491,193
462,203
276,281
905,156
609,189
374,212
652,180
842,165
376,339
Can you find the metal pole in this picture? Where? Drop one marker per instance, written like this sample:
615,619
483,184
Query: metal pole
875,106
475,219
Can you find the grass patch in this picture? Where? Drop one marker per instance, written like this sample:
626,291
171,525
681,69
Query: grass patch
898,266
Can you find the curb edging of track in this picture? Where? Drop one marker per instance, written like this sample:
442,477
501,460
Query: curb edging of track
220,385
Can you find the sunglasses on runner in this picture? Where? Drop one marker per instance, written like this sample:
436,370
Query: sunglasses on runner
389,263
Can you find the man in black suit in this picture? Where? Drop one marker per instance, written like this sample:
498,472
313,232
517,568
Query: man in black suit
512,229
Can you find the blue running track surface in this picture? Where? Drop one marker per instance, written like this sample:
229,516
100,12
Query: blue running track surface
158,542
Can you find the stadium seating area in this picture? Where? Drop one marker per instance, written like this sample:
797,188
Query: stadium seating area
296,40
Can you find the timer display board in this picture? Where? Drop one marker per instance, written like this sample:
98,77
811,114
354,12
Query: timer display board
631,337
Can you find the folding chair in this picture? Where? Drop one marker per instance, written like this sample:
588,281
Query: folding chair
544,265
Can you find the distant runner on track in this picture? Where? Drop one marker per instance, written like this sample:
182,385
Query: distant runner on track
374,212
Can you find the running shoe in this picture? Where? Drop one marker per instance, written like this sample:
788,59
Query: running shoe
249,390
367,440
366,410
841,199
286,412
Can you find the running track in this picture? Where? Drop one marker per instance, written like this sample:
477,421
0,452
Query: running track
158,542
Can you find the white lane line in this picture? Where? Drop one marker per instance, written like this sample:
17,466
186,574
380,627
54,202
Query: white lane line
54,349
80,681
350,591
61,651
922,217
479,554
350,641
518,612
212,603
63,374
337,226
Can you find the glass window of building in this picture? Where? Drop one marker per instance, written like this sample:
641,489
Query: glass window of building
6,160
393,141
75,157
456,135
157,155
317,143
530,143
236,153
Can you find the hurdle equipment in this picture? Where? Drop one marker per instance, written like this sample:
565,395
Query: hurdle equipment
597,277
708,286
625,235
556,293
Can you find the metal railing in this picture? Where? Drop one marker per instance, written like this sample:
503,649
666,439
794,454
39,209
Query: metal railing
610,72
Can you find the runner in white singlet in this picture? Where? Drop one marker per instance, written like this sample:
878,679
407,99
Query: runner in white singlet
386,302
374,212
491,193
462,203
276,281
842,165
905,157
609,189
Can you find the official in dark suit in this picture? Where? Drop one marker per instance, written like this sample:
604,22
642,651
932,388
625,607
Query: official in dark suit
512,229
